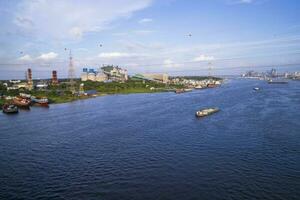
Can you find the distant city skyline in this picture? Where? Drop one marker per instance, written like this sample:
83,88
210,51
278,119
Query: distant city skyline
174,36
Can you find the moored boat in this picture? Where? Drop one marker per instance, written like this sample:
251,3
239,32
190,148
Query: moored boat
187,90
256,88
206,112
212,85
21,102
178,91
10,108
277,81
40,101
198,87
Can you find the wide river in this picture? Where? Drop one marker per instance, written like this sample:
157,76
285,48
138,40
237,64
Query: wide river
151,146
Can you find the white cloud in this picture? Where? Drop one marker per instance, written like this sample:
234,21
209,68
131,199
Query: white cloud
47,56
241,1
76,32
64,19
168,62
143,32
110,55
82,49
25,58
246,1
145,20
43,57
203,58
120,34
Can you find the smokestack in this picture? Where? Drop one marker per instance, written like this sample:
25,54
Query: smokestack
29,79
29,75
54,78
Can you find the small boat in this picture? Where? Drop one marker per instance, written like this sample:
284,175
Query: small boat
188,90
178,91
24,95
21,102
212,85
277,81
198,87
40,101
256,88
206,112
10,108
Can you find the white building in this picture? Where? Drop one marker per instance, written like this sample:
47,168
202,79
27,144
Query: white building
105,73
164,78
101,77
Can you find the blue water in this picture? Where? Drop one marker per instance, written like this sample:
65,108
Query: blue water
151,146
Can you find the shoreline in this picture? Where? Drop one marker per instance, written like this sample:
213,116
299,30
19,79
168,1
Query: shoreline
110,94
74,99
62,93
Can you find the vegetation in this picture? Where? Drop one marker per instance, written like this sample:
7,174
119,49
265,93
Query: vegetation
61,93
199,78
2,101
127,87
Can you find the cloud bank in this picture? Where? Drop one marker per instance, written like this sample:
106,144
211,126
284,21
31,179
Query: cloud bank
64,19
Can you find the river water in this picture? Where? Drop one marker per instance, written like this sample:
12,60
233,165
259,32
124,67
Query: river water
151,146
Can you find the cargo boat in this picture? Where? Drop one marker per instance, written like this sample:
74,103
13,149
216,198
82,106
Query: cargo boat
40,101
22,102
206,112
10,109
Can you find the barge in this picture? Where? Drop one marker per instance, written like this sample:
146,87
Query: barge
40,101
206,112
22,102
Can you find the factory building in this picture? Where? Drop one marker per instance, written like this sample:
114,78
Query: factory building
163,78
91,75
104,74
115,73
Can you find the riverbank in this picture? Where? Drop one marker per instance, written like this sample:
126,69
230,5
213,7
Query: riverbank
55,98
88,89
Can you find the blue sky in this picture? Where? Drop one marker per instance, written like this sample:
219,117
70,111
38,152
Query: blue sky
149,35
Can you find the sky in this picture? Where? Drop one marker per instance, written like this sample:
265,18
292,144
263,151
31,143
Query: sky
164,36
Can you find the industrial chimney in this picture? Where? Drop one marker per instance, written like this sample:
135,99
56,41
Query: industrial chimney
54,78
29,79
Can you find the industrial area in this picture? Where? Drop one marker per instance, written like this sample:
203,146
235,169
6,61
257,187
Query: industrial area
108,79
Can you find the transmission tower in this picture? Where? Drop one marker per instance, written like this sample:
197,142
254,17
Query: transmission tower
71,74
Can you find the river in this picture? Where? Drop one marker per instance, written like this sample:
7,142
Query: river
151,146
